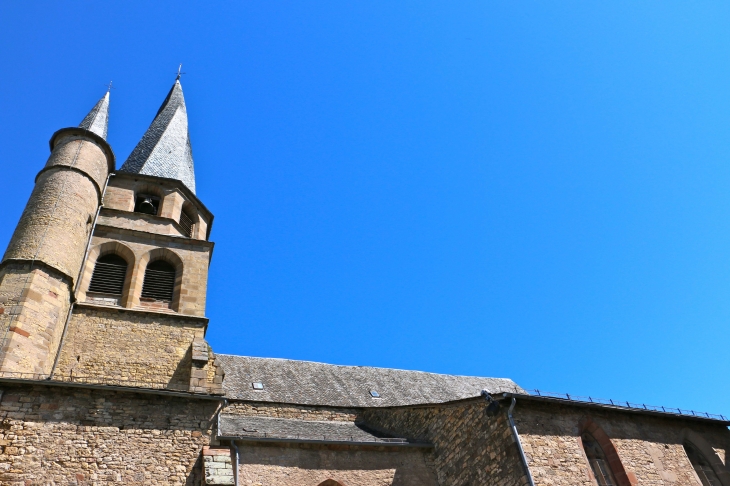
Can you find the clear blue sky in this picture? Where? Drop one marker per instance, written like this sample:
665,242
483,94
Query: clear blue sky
533,190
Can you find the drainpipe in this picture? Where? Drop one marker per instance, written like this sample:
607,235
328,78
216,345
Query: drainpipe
224,404
517,440
235,462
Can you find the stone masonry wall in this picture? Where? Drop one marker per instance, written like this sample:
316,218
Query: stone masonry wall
122,190
308,465
82,153
266,464
33,308
55,224
60,436
298,412
649,448
129,346
471,449
140,222
54,227
191,256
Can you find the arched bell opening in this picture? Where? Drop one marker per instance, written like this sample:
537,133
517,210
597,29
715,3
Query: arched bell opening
108,274
161,285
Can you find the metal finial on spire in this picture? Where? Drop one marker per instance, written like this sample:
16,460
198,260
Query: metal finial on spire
179,73
110,87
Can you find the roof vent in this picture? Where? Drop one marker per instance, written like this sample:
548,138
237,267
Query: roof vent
374,394
257,385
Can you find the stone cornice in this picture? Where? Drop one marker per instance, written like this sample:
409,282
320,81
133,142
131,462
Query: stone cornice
137,310
153,236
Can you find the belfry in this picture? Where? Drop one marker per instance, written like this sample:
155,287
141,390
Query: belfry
106,376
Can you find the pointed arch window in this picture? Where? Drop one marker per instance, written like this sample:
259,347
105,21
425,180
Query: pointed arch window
109,274
702,466
159,281
597,459
330,482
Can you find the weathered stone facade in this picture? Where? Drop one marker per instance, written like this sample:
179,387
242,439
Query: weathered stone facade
189,257
298,465
126,346
649,447
56,435
54,227
48,246
34,302
119,202
469,446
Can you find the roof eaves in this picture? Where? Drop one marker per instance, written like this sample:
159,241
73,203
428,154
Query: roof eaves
618,408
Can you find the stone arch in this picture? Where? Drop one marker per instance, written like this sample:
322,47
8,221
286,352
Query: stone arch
331,482
587,425
149,188
99,251
704,447
170,257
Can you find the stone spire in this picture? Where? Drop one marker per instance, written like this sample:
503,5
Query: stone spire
97,120
165,150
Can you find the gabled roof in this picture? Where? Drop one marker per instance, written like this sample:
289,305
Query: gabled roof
165,150
309,383
97,120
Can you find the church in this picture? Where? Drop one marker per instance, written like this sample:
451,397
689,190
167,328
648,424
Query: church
106,376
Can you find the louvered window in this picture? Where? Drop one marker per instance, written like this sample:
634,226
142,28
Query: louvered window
704,470
159,281
186,222
109,274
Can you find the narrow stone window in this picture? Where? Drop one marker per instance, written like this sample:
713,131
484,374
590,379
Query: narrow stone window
109,274
147,204
597,459
702,466
330,482
159,282
187,222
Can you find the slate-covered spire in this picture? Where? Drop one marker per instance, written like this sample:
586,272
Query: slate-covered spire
97,120
165,150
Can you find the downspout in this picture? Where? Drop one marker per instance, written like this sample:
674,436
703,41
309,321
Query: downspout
224,404
78,278
235,462
519,444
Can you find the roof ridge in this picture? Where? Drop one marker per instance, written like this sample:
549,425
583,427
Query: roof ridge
361,366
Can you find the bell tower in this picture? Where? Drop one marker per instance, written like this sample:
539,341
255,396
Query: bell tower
139,315
42,263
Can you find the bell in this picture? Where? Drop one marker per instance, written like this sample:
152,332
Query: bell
147,207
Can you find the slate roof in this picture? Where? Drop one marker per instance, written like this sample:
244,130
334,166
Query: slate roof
165,149
97,120
293,429
309,383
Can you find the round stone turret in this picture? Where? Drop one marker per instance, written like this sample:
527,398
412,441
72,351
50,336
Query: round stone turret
55,225
44,258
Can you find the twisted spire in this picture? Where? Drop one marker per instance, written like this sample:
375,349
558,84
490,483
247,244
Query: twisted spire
165,150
